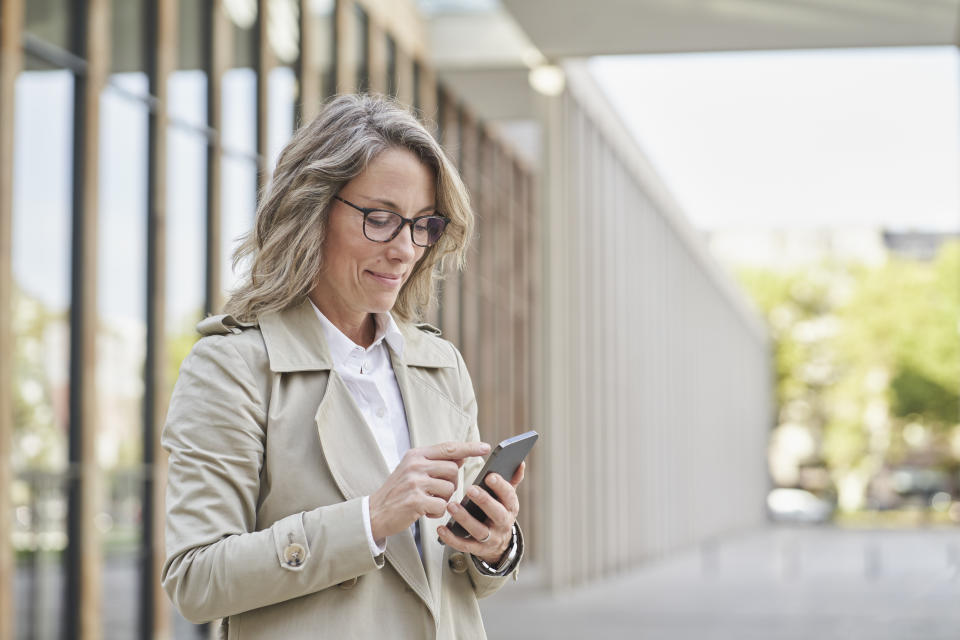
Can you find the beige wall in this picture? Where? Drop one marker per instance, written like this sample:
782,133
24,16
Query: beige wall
655,399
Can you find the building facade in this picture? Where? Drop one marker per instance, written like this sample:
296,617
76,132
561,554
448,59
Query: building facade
136,137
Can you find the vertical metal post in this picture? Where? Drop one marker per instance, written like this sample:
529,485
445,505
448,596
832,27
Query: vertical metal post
11,62
263,64
215,26
91,34
377,81
161,51
345,46
308,72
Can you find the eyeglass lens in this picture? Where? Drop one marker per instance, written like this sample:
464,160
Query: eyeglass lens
382,225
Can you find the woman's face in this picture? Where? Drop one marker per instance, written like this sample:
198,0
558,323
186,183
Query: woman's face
359,276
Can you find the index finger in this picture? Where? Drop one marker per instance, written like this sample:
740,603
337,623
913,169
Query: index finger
456,450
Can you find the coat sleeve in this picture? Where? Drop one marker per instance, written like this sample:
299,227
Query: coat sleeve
217,563
483,584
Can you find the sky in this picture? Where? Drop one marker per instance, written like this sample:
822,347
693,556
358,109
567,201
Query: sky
811,139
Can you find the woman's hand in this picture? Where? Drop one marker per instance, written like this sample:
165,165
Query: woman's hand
501,514
420,485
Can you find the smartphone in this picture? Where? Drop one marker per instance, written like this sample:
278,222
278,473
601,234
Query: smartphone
504,459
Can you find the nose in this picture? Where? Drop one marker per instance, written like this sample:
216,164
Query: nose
401,248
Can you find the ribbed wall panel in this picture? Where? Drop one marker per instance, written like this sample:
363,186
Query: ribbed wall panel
656,387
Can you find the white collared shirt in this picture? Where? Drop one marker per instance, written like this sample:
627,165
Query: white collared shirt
368,375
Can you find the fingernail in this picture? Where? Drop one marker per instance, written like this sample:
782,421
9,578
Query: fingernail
474,492
485,447
452,507
493,478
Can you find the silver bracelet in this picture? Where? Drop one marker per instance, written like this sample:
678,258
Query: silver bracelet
505,561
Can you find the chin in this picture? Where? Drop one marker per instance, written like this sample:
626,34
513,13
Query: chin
382,306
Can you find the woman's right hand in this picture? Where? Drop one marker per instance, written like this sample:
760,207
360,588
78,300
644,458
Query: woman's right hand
422,484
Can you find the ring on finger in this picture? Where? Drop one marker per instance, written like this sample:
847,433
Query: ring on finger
486,538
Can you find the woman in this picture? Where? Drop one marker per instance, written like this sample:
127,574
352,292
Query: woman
317,437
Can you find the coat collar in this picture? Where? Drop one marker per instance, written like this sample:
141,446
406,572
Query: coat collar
295,342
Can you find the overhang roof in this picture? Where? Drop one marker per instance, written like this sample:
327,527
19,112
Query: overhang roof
575,28
484,48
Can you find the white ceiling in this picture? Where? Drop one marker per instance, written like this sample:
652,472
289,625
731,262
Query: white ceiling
484,54
574,28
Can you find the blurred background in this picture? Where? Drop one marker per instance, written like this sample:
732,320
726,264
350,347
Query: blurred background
717,266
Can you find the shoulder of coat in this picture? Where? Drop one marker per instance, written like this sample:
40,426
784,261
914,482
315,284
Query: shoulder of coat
426,327
222,324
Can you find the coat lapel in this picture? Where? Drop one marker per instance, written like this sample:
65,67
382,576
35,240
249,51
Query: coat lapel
295,342
358,468
431,418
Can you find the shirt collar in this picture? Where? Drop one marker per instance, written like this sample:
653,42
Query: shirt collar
341,346
295,341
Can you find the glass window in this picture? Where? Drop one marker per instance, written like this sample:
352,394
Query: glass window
50,21
187,86
417,102
127,30
192,26
391,66
243,20
321,51
282,88
186,241
121,337
239,191
362,39
42,210
282,98
186,213
239,138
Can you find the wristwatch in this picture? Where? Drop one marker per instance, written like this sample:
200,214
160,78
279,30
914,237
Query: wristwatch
505,561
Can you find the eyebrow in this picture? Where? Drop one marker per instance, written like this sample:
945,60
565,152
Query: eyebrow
393,205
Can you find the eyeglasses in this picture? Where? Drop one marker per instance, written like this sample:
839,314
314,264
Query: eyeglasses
381,225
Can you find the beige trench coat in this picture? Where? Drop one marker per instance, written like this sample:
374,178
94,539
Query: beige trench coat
269,460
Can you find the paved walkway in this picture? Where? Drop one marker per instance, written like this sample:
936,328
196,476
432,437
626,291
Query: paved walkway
774,584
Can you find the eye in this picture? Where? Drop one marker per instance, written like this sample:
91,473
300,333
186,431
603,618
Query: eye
381,219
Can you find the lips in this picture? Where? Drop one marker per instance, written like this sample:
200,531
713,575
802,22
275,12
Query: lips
389,279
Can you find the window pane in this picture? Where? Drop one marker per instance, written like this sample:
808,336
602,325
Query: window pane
239,190
321,52
239,169
192,19
127,30
391,66
282,86
243,20
42,196
283,31
362,37
49,20
121,340
417,102
186,241
187,86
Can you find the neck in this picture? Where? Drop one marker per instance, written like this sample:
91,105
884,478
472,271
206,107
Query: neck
360,328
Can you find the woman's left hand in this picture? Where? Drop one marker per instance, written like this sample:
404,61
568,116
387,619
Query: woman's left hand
501,514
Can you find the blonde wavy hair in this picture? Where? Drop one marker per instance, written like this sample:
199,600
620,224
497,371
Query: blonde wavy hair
283,252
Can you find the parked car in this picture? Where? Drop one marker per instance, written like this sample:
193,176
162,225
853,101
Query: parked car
798,505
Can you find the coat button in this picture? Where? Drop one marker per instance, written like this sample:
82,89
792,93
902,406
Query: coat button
458,563
348,584
294,554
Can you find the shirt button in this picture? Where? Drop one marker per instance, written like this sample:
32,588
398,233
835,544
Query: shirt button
294,554
381,412
458,563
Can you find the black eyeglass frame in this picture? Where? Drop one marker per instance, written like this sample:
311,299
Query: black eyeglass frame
366,211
